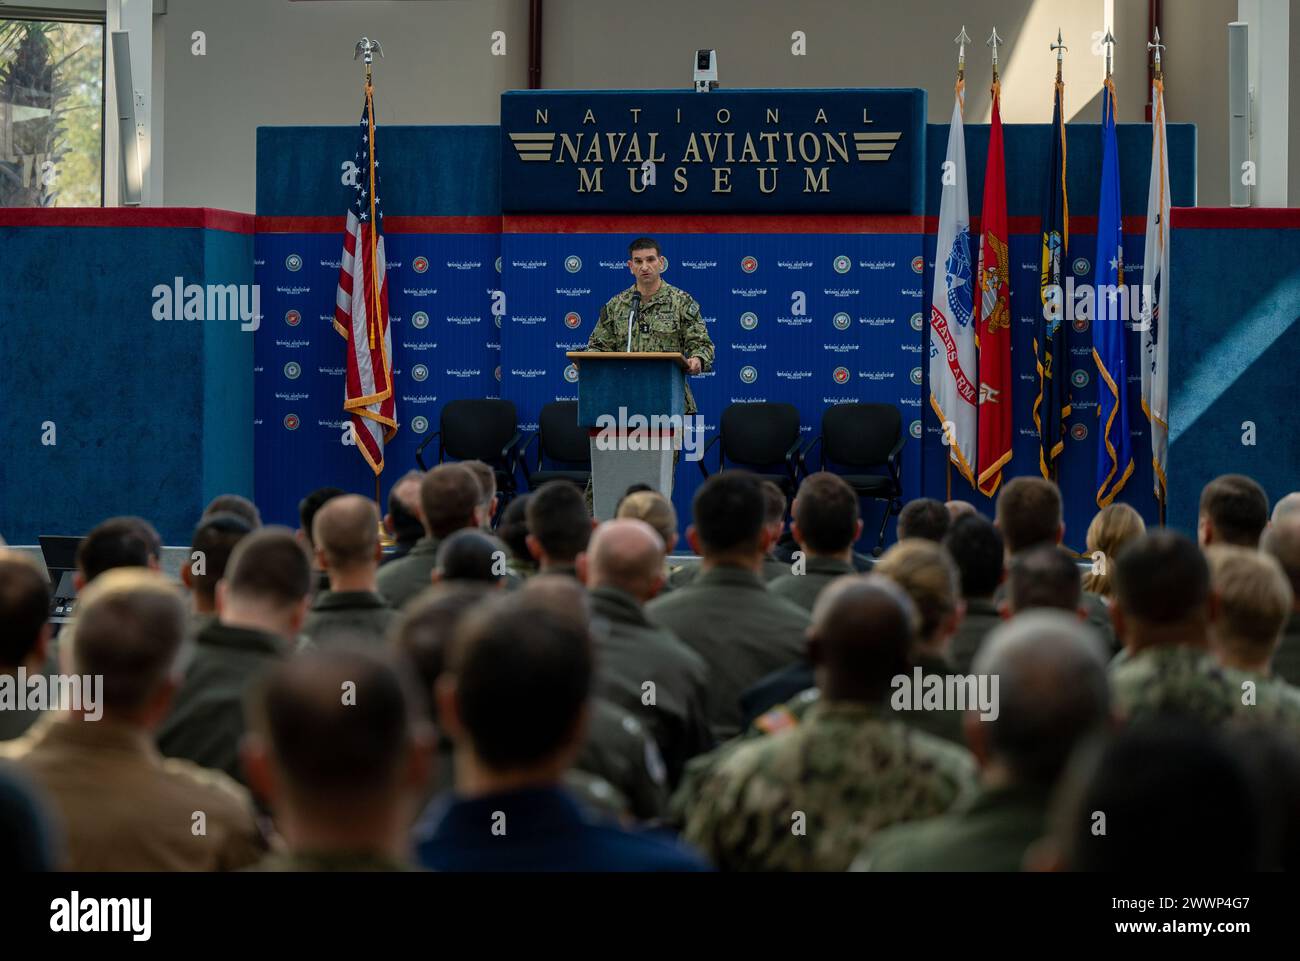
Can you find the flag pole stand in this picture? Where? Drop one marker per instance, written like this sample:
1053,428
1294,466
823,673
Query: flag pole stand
385,538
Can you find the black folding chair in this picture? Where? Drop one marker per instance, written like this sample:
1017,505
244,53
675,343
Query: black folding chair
763,438
860,437
486,430
560,440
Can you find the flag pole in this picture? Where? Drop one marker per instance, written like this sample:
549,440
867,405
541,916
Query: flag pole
1055,468
961,40
1158,76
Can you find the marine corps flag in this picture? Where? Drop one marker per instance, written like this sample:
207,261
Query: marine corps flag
1051,351
994,326
361,306
952,337
1155,283
1109,330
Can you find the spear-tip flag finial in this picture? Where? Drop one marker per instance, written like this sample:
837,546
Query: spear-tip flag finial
1157,46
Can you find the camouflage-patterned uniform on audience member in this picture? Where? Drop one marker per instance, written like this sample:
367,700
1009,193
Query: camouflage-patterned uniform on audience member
848,769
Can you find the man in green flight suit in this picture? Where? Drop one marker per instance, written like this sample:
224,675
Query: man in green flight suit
667,319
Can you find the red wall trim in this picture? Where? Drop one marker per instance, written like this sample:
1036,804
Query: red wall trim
203,217
1235,218
711,224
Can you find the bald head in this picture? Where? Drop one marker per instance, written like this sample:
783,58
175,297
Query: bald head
861,636
1052,693
1282,541
626,554
1287,506
345,532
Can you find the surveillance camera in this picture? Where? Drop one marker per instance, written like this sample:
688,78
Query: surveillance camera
706,70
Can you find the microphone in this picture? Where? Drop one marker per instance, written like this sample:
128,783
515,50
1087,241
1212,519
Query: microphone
631,317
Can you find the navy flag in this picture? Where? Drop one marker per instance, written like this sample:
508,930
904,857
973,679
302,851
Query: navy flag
1051,351
1109,330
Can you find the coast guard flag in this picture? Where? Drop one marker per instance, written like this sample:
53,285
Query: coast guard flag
361,305
1155,310
1109,331
1051,349
994,326
952,336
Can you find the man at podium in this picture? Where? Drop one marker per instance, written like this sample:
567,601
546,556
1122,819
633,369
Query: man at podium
654,316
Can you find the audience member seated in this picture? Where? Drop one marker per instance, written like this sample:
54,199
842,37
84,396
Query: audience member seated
826,525
1234,510
509,811
241,507
261,605
449,501
24,637
975,545
558,527
776,562
618,749
1162,793
487,482
809,798
1029,514
513,531
927,573
726,614
925,518
1044,576
1162,610
657,511
210,548
958,509
1113,526
28,841
644,669
1283,542
403,518
116,542
345,532
1051,695
343,774
121,807
1254,600
307,508
472,555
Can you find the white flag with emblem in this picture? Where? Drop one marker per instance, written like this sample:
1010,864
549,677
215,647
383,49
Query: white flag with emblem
1155,284
953,392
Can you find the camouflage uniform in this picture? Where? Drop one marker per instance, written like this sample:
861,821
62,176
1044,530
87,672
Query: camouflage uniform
669,321
1276,703
1173,679
847,768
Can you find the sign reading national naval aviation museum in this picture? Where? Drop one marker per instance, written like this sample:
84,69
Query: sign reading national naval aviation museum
754,151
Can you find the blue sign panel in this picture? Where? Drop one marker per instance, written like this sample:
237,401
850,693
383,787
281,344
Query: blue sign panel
755,151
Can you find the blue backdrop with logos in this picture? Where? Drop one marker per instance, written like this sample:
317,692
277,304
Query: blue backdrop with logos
812,296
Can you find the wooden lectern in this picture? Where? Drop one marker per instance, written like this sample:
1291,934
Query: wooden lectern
626,400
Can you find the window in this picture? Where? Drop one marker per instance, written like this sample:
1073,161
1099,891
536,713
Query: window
51,113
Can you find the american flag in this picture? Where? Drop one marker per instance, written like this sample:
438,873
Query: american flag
361,307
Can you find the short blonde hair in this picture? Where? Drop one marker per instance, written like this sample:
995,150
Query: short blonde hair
1254,598
928,574
653,508
1112,527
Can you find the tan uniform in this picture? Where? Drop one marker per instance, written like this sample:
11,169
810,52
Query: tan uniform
123,807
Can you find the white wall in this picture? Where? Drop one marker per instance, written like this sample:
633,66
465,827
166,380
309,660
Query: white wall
281,62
